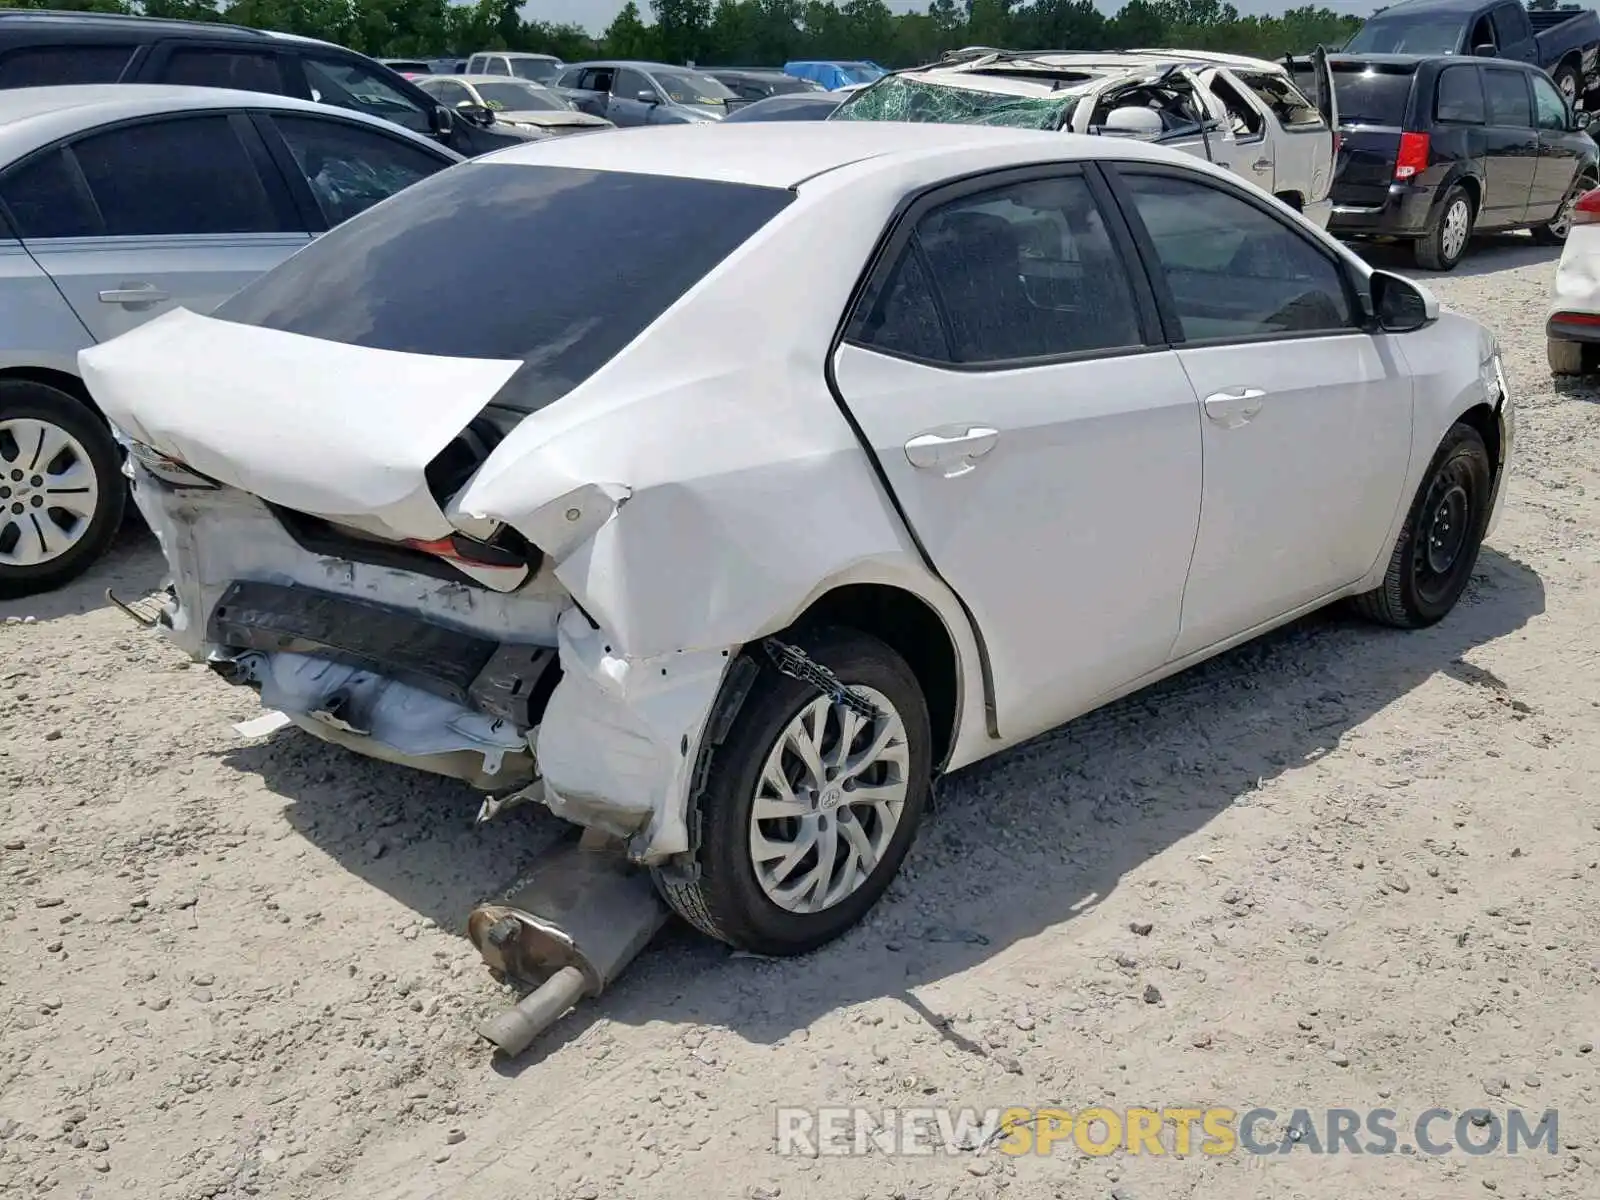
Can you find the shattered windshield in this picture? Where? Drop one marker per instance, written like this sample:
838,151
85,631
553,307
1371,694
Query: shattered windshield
901,98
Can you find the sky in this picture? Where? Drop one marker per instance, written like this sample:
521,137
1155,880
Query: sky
595,15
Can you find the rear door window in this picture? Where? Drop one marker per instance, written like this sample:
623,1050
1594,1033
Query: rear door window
1370,95
1028,271
202,66
1509,104
48,66
1460,98
350,169
188,175
517,247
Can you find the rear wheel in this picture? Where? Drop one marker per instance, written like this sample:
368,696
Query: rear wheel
1555,232
1572,358
61,488
1441,248
1438,545
807,808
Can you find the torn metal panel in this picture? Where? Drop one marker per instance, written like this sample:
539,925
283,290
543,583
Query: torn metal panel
620,737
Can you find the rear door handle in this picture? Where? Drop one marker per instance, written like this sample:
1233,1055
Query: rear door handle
951,453
133,293
1234,407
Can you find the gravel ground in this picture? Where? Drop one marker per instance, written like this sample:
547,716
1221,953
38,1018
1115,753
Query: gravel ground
1337,867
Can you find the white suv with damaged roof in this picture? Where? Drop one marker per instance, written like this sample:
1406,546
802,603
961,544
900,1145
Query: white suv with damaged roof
509,478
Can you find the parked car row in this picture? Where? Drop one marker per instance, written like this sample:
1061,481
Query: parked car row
117,203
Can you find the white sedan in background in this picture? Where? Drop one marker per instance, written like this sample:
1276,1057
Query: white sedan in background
1572,330
1053,417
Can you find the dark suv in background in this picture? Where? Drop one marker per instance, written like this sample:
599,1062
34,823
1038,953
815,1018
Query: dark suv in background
41,48
1437,149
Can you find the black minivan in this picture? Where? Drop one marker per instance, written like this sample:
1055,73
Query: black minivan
1437,149
41,48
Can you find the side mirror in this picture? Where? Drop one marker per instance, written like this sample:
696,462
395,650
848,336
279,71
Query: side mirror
478,114
645,96
1486,50
1399,305
1132,121
441,120
1581,120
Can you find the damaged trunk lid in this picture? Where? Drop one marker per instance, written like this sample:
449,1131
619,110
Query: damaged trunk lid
336,386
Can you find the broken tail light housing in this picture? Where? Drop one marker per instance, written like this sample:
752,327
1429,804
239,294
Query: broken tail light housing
1587,210
1413,157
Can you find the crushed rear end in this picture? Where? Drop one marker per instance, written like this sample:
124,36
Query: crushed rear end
413,552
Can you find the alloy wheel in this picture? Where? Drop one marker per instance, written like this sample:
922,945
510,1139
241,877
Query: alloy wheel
1457,220
48,492
830,797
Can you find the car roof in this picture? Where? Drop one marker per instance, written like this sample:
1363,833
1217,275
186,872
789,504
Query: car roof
35,117
786,154
635,65
1416,60
147,28
513,54
1450,6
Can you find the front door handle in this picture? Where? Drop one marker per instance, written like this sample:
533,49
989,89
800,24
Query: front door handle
133,294
951,453
1234,407
1261,164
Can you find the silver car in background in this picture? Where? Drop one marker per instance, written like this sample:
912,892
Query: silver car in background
117,203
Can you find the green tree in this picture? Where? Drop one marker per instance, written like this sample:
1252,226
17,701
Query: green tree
627,36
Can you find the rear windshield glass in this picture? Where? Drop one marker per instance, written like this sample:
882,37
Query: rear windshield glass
559,268
1371,95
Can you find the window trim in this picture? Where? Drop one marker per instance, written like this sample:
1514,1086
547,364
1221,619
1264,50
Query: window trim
901,231
276,146
1172,324
278,198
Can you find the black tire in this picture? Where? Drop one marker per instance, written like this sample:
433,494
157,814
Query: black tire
1572,358
26,400
720,895
1554,233
1416,591
1431,251
1566,78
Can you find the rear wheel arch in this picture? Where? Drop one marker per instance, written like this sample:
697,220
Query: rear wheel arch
912,628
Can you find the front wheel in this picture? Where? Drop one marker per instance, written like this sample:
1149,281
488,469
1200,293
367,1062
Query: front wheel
807,807
1441,248
61,488
1438,545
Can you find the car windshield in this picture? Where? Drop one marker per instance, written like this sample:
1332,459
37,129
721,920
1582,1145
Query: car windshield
1421,34
686,88
446,267
901,98
1371,95
513,95
540,70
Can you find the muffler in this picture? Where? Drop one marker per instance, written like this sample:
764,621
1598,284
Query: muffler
568,930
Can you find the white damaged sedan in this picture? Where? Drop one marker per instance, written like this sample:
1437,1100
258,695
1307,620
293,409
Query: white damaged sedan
720,487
